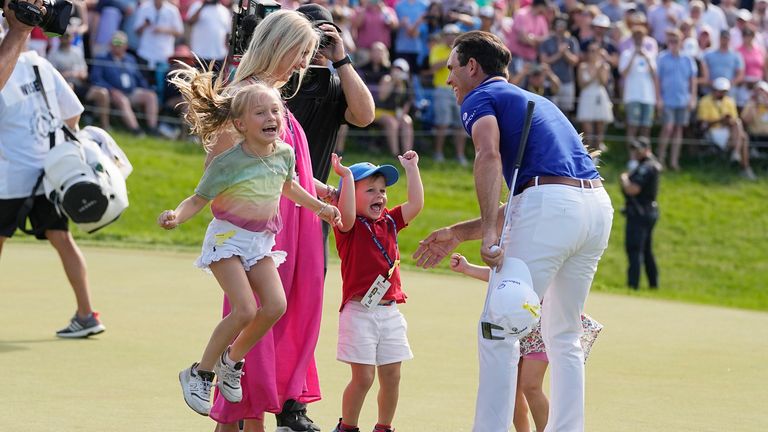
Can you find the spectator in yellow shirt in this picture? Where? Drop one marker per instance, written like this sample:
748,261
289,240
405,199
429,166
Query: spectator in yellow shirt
447,116
719,117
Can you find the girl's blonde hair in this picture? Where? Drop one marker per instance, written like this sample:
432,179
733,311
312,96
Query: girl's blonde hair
280,34
209,106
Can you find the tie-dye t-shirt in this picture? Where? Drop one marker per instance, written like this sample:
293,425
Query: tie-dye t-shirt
246,188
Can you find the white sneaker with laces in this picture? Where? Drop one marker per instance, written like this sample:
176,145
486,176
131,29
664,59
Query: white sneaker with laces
229,378
196,386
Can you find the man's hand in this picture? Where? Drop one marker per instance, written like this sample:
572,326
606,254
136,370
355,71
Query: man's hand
15,24
438,245
335,50
491,253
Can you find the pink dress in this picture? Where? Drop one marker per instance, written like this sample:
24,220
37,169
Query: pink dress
282,365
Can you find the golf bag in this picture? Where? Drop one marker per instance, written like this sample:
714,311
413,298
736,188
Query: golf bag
84,183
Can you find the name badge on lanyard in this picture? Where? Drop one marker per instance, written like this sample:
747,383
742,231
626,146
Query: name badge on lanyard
381,285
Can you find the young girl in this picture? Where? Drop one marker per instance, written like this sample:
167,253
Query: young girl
372,331
245,184
533,358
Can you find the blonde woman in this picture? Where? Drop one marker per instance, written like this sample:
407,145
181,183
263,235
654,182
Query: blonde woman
280,369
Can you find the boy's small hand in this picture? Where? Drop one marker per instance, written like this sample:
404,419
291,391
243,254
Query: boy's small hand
409,159
338,168
167,219
458,262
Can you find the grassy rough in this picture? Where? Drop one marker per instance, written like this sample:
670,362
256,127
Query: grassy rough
710,242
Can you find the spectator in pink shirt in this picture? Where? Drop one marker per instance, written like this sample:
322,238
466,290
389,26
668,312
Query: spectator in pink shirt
753,55
374,22
530,30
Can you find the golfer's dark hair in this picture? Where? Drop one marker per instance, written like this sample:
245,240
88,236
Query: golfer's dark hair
487,49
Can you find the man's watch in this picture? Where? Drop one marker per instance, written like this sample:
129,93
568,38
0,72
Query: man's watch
346,60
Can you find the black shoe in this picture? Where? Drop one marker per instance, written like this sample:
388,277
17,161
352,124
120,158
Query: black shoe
293,418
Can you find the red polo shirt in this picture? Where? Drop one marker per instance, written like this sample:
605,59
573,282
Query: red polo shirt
361,259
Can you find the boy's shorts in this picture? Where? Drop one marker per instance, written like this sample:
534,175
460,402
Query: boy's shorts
224,240
373,337
43,214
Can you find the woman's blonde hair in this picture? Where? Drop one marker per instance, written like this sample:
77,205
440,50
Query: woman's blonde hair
209,106
280,34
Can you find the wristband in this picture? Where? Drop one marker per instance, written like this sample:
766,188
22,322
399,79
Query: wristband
346,60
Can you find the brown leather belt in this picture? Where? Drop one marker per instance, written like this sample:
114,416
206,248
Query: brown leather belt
568,181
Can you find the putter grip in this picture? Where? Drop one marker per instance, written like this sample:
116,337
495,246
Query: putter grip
524,134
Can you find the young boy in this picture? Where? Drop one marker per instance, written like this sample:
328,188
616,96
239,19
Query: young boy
371,328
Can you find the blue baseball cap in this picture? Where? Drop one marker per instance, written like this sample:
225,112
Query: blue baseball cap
362,170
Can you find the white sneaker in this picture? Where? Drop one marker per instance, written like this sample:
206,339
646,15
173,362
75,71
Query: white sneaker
196,386
229,379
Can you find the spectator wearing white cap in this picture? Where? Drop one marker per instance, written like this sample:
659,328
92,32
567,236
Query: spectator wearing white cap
743,21
720,119
664,15
601,25
447,116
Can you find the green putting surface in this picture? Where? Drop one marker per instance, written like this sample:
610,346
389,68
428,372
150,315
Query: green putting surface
657,365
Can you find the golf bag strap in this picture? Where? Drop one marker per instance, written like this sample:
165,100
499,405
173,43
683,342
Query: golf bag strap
26,209
52,136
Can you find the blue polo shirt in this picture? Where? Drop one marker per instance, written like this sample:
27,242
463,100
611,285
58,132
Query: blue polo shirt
413,10
554,147
723,64
675,73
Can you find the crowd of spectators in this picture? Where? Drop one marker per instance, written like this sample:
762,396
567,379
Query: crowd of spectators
695,69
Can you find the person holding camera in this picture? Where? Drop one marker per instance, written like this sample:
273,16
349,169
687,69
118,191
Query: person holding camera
640,187
34,105
15,40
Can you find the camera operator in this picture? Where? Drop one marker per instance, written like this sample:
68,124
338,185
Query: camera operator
15,40
321,108
32,112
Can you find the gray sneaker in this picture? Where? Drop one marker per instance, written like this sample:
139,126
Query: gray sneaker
196,386
82,328
229,379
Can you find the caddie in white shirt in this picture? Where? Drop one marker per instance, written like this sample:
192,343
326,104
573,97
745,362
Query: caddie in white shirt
26,122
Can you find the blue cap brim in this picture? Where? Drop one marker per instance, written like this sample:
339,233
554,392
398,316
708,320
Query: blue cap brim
390,173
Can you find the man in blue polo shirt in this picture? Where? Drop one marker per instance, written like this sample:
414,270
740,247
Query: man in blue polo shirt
559,226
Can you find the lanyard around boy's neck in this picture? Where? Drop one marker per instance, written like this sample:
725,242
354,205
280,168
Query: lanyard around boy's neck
392,264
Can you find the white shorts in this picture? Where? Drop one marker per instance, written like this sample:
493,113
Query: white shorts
372,337
225,240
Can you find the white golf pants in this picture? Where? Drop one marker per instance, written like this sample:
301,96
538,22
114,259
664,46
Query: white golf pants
560,232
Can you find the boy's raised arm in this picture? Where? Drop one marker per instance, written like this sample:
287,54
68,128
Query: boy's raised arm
346,203
412,207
